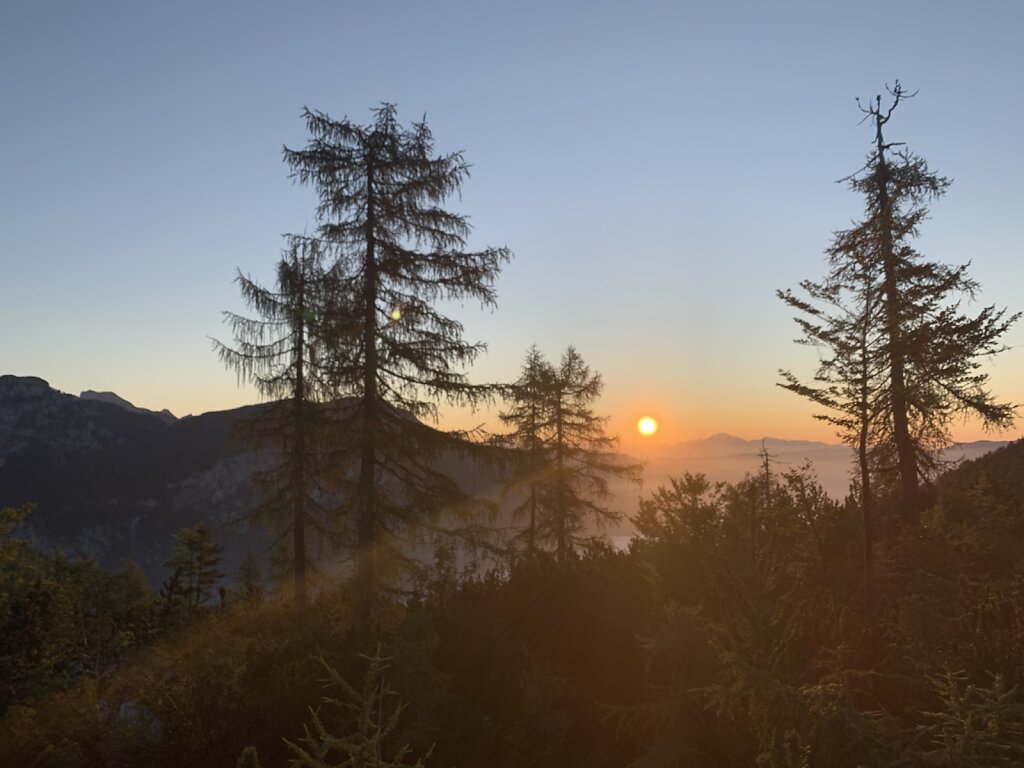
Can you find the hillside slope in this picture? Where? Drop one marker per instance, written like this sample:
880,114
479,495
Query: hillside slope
113,483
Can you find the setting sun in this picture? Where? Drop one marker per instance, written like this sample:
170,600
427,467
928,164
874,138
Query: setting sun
647,426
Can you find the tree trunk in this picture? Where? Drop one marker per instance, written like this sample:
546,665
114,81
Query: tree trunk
561,522
868,513
906,455
535,458
298,477
367,489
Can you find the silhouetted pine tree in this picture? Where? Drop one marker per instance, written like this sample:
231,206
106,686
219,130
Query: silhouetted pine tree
569,455
583,454
170,595
529,414
930,350
250,578
198,557
397,253
277,351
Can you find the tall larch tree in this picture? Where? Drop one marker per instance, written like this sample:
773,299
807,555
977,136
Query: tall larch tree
931,351
528,414
278,352
573,457
397,253
584,456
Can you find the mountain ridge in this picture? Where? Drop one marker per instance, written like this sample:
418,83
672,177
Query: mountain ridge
724,444
114,399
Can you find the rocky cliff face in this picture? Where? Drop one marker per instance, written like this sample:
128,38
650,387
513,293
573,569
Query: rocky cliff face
113,482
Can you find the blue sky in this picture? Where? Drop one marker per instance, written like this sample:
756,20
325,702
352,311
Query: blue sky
658,170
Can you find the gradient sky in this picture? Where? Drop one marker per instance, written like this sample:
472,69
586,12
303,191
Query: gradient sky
659,169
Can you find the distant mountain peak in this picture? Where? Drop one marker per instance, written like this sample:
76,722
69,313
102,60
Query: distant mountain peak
11,385
724,444
107,397
114,399
722,437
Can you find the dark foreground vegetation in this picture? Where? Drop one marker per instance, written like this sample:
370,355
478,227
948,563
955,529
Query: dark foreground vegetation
733,632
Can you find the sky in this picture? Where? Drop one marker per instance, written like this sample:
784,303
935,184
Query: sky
658,170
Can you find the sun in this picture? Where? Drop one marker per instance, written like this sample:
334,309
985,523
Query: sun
647,426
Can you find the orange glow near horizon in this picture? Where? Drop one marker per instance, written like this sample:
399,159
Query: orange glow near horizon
679,419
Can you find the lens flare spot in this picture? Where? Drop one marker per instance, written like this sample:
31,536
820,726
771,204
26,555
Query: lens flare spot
396,314
647,426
